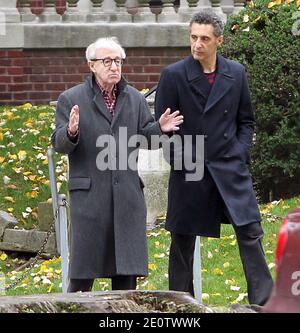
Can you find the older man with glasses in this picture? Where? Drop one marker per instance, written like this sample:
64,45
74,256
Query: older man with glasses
107,206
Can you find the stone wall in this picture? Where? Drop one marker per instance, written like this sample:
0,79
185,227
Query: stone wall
39,75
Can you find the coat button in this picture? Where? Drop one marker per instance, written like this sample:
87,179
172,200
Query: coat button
225,135
205,137
116,182
225,112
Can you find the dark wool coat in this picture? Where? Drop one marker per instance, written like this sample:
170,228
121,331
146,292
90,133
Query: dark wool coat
225,117
108,211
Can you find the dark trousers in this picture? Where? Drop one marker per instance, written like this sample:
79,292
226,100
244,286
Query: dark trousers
119,282
258,277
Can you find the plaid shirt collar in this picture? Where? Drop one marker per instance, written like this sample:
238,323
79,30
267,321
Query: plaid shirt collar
110,103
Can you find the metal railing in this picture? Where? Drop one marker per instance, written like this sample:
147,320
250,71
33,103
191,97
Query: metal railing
59,204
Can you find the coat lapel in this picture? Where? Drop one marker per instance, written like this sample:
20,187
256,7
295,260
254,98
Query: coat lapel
122,92
222,85
98,99
197,78
101,106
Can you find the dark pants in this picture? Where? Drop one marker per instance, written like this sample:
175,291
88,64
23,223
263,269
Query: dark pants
119,282
259,280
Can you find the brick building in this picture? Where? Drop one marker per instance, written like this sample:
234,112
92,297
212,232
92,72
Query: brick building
42,42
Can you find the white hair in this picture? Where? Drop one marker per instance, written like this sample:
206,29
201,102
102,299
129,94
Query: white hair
110,43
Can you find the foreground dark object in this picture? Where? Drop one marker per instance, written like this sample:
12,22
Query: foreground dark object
286,292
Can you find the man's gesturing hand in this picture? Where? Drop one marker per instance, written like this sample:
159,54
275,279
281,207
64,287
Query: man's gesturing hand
169,121
74,120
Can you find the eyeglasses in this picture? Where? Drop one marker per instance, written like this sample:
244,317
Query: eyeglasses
107,62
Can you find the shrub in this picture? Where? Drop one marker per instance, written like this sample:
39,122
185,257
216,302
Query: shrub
261,38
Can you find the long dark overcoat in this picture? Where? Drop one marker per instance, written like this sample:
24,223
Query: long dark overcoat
107,207
225,117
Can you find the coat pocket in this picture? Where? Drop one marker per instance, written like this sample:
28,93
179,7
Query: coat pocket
79,183
239,150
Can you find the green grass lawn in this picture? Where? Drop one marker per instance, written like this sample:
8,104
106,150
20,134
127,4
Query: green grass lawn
24,139
222,275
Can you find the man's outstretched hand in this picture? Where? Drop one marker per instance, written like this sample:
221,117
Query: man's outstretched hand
170,121
74,120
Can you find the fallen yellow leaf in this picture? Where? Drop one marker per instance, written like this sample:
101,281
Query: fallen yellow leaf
235,288
10,115
161,255
34,215
27,106
250,4
22,155
240,298
43,115
12,186
25,281
205,297
217,271
10,199
152,266
151,286
271,265
32,194
13,156
265,211
257,19
3,256
231,282
43,268
235,27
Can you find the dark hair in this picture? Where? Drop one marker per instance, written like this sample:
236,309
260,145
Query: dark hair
208,17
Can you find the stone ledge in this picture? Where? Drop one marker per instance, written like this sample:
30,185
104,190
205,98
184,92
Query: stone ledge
103,302
27,241
132,301
6,221
80,35
129,35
